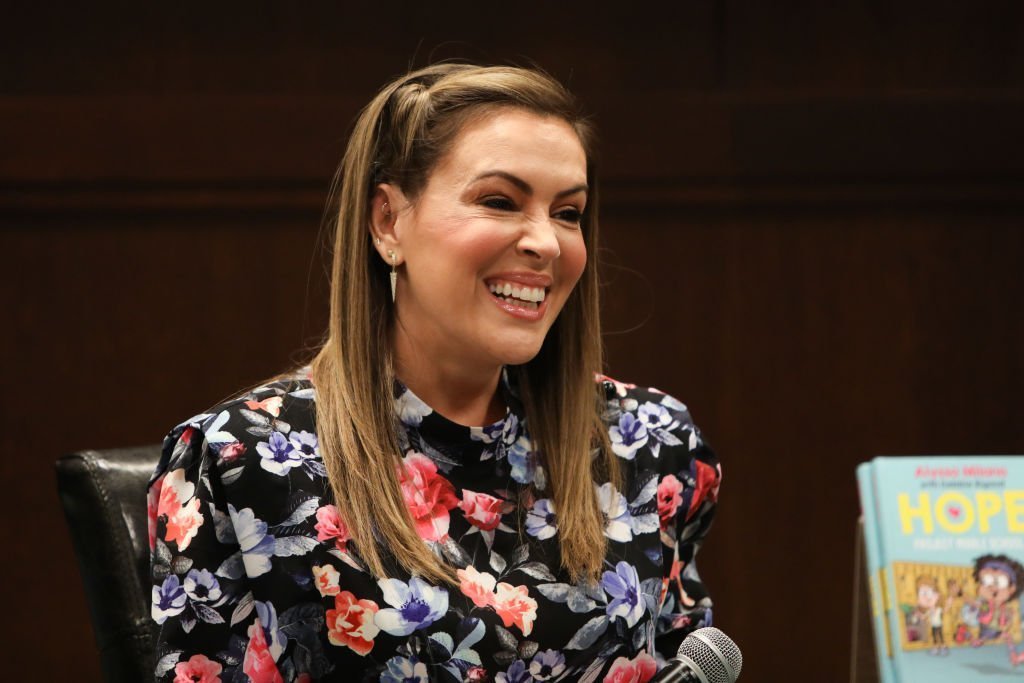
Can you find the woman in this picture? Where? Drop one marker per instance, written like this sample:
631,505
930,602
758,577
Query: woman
343,523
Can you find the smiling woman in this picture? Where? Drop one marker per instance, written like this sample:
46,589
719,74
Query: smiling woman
451,490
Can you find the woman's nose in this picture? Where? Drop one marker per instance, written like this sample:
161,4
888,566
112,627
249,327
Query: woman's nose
539,240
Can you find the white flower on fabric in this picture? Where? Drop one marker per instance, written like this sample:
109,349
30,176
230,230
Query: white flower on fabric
628,436
202,586
415,605
278,455
654,416
541,521
257,545
168,599
623,585
410,409
618,525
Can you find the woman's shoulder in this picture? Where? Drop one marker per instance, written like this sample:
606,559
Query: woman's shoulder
274,422
644,422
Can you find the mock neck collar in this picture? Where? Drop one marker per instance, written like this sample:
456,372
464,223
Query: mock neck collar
449,443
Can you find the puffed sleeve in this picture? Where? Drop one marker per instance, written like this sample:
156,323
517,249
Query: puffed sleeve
690,476
202,605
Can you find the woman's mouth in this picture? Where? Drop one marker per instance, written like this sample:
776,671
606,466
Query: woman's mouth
520,296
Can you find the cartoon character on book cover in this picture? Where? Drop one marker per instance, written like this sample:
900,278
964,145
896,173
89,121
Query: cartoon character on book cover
961,606
999,581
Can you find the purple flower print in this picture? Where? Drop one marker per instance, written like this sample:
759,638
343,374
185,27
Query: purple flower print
517,673
168,599
654,416
628,436
202,586
257,545
541,521
523,460
278,455
547,665
405,670
305,444
414,605
623,585
267,615
618,522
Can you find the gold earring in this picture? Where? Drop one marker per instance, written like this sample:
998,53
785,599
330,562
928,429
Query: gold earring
394,274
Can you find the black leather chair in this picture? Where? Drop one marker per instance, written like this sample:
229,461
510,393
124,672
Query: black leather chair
104,499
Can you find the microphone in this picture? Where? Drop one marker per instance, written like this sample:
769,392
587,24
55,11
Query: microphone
706,656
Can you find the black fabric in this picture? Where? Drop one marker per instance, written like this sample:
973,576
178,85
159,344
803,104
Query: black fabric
104,498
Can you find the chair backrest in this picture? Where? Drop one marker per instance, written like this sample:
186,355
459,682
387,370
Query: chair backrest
104,499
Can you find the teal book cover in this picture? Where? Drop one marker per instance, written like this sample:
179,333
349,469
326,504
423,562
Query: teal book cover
951,539
875,566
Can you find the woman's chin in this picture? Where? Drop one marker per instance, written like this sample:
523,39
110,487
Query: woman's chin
521,354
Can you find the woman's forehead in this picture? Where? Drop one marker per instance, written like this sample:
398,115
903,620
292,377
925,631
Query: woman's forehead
515,139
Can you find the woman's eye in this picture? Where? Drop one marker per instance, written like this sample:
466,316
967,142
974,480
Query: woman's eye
570,215
500,203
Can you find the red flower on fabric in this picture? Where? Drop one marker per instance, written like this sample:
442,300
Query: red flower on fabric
482,511
329,525
477,586
259,664
708,479
198,669
180,508
670,498
639,670
351,623
515,606
428,495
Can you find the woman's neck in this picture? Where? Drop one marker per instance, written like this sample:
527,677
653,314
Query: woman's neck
466,397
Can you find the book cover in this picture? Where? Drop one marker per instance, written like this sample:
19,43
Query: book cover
950,533
875,566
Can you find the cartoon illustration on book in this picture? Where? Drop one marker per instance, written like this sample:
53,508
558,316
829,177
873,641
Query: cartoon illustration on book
927,618
999,581
980,605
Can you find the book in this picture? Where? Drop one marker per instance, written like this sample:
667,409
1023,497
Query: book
945,537
875,574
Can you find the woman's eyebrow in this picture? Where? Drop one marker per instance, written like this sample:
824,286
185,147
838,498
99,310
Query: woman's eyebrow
524,186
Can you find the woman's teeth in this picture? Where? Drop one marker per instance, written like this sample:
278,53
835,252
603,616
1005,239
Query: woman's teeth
527,297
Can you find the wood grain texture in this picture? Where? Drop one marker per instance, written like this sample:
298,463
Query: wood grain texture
812,232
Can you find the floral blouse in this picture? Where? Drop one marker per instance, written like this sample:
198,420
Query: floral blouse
255,576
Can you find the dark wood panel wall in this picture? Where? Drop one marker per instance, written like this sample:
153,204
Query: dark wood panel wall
812,219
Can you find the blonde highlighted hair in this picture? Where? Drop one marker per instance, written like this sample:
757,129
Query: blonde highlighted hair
399,138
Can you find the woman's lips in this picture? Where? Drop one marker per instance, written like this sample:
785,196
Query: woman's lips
524,310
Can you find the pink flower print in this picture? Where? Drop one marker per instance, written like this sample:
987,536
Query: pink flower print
181,510
482,511
669,499
639,670
326,579
477,586
428,495
707,479
231,452
329,525
351,623
270,405
198,669
515,606
259,664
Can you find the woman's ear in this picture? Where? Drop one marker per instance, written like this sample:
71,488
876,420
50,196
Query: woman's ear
384,205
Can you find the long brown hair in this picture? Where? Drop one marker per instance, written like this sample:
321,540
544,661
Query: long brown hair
399,138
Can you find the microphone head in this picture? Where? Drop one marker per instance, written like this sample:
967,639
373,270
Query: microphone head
713,653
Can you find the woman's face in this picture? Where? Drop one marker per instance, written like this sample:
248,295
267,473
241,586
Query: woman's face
492,247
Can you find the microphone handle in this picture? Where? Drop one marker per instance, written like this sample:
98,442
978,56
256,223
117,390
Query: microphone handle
677,671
